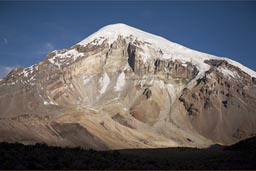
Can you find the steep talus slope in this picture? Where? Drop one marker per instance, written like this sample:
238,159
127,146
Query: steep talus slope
125,88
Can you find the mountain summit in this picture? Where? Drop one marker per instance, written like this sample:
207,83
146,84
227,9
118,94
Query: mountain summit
124,88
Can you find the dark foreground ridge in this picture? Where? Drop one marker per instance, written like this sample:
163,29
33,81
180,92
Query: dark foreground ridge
41,156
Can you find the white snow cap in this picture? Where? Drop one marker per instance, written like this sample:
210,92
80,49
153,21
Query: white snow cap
169,49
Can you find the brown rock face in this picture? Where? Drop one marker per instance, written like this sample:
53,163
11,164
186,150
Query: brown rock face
166,69
217,104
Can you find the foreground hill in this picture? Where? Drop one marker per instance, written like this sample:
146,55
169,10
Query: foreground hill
40,156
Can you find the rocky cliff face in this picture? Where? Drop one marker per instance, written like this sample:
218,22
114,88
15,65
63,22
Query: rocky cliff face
124,88
228,101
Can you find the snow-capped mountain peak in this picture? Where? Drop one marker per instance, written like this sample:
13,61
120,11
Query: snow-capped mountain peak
122,87
170,50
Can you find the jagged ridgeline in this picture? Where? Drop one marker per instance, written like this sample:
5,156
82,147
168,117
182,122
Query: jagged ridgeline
124,88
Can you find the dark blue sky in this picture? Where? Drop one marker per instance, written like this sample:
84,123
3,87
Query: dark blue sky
29,30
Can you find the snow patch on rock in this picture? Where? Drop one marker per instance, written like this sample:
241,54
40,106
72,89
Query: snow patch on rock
145,55
49,103
98,41
29,70
227,73
120,82
104,82
61,58
242,67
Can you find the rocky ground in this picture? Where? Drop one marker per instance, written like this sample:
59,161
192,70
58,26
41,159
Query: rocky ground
41,156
